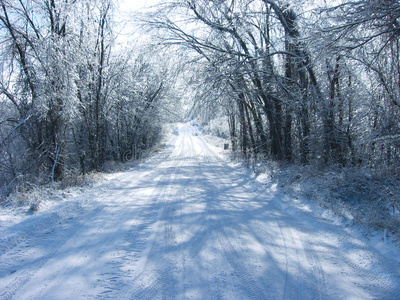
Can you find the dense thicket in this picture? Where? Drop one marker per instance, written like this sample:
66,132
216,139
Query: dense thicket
296,81
70,100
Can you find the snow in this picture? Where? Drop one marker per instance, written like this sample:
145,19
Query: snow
186,224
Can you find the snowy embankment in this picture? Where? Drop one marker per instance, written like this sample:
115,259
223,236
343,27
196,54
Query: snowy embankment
187,225
351,197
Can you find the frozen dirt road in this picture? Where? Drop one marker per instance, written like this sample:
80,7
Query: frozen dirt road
187,225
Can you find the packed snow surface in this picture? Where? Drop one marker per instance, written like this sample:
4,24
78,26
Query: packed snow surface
187,225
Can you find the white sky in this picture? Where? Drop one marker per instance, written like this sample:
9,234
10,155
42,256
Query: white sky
136,5
128,33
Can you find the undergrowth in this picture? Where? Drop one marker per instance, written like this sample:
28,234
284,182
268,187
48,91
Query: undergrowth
353,194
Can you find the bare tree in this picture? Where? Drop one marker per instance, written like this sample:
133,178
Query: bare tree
65,89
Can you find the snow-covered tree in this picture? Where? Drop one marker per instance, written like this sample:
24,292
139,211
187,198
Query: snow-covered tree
71,100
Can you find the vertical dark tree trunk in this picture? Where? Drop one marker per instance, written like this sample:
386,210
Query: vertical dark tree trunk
243,125
232,129
99,122
251,133
333,145
288,137
290,79
262,147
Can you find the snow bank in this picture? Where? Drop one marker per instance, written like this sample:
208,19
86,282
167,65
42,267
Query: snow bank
351,197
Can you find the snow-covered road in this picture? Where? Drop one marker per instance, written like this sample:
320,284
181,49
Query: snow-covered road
187,225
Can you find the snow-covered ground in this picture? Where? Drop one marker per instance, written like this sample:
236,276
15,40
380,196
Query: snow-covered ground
187,225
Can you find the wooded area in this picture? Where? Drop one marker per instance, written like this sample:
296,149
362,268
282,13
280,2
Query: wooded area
296,81
71,98
299,81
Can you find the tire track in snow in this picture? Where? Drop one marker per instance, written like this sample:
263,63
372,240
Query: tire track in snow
294,264
23,276
133,246
157,274
240,276
378,276
141,240
309,258
58,239
230,275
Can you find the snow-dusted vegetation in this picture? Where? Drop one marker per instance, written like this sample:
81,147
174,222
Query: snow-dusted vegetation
72,99
226,149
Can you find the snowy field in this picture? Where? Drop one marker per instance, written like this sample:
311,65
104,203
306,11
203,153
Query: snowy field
187,225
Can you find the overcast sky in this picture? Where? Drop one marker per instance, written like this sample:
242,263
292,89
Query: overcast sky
135,5
127,7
